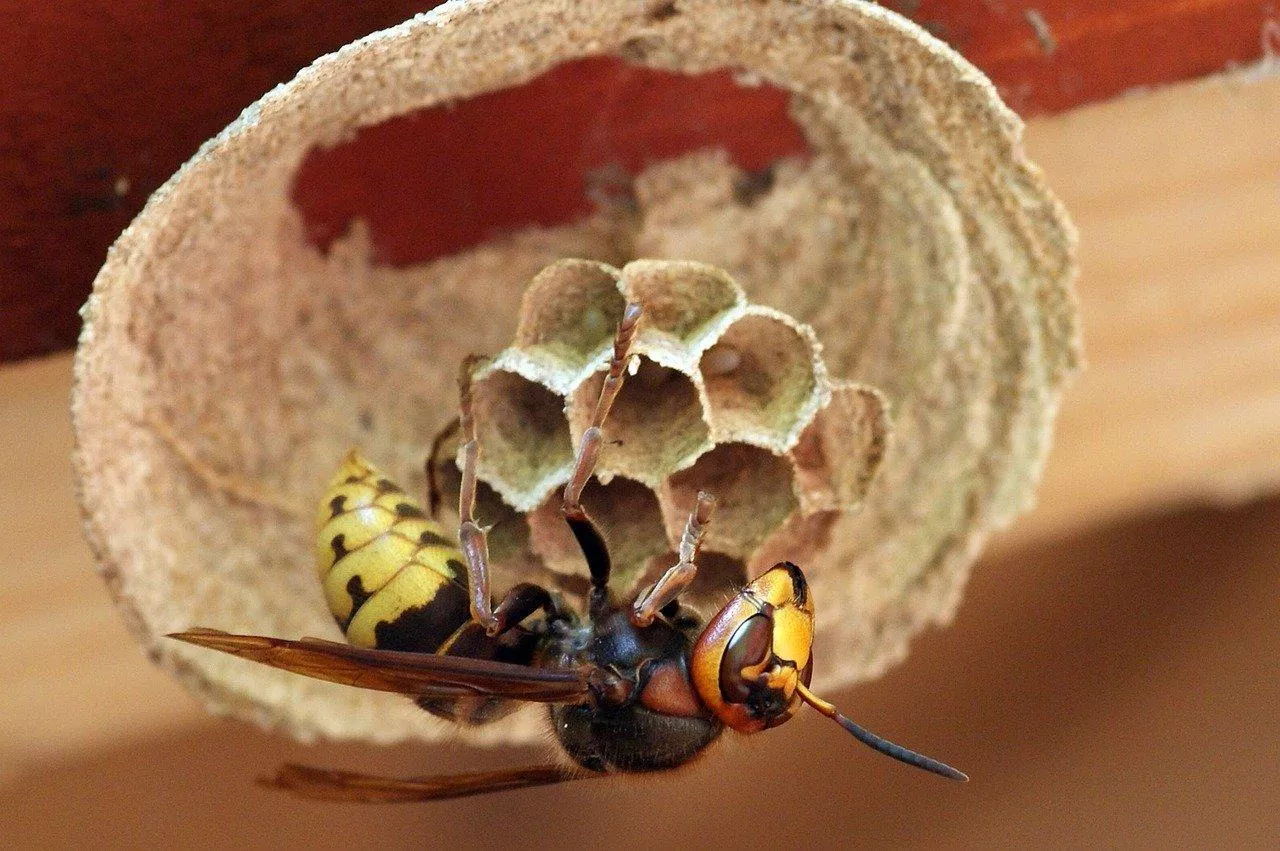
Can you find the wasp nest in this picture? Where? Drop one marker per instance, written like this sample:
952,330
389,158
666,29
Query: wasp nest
227,364
724,396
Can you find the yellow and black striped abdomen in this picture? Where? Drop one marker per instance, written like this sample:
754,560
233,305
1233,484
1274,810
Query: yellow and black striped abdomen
391,577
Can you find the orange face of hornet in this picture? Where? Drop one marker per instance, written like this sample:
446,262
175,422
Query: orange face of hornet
748,661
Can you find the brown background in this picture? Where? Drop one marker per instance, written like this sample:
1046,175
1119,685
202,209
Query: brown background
1118,688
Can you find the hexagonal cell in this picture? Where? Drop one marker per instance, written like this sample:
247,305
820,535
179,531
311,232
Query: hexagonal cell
627,513
838,454
718,577
762,380
654,428
798,540
686,304
508,533
568,314
753,491
525,448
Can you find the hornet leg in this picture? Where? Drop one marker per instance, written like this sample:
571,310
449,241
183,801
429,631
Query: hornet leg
584,529
435,496
522,600
473,538
669,586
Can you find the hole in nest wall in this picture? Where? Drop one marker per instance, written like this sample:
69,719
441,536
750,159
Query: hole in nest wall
655,426
753,492
439,180
523,433
757,375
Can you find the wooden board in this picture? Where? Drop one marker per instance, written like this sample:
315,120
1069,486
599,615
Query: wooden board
1177,198
1049,55
101,107
73,679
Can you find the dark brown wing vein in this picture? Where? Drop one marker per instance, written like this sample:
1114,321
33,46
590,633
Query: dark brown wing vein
416,674
329,785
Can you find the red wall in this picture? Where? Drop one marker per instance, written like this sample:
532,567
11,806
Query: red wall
100,102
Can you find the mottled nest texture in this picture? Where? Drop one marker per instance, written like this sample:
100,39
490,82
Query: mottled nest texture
227,365
723,396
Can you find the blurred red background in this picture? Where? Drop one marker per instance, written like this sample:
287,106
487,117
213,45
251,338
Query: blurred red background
102,102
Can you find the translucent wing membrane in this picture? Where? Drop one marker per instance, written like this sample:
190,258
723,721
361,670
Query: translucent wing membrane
415,674
328,785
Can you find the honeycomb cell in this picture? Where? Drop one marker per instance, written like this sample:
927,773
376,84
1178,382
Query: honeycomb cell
765,388
753,491
568,315
839,452
762,380
655,428
508,532
627,513
525,448
798,540
686,304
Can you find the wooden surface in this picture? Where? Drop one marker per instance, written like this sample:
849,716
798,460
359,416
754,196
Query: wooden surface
73,680
102,103
1051,55
1177,198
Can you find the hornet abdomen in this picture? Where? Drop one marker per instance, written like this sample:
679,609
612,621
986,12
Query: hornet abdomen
390,576
394,581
